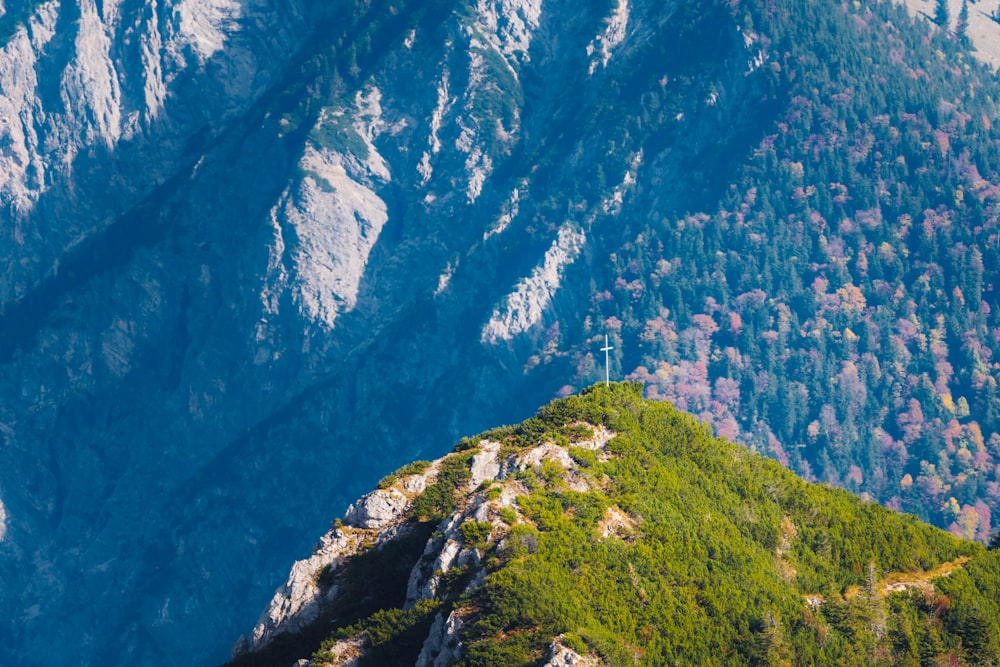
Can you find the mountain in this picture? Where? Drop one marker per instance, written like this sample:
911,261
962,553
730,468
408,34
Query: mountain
613,530
259,254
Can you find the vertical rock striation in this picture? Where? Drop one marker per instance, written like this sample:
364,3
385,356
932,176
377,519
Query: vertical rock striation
257,247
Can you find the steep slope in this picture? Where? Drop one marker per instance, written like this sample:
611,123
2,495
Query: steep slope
846,320
609,530
104,101
264,316
397,222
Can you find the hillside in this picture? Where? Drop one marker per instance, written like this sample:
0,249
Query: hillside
612,530
258,253
835,305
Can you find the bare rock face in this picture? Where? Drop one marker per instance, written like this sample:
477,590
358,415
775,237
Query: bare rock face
563,656
251,264
485,464
377,509
372,521
81,80
442,646
297,603
345,653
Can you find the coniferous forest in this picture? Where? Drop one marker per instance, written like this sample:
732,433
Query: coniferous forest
835,305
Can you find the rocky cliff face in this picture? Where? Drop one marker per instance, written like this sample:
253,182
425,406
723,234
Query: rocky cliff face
241,238
385,517
257,248
104,101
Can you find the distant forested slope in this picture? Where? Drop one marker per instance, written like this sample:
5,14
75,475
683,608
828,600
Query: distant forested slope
836,306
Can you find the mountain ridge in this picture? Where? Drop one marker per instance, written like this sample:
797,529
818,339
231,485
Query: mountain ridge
453,561
290,327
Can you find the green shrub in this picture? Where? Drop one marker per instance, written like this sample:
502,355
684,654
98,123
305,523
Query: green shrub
575,642
475,534
578,432
415,468
585,458
438,499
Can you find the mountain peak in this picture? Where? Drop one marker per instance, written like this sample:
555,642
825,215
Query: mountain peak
609,529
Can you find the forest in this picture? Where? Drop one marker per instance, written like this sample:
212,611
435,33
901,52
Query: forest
835,308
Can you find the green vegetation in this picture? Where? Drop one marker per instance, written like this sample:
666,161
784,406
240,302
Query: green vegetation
475,534
337,133
729,559
348,47
392,636
730,543
321,182
414,468
438,499
829,298
508,515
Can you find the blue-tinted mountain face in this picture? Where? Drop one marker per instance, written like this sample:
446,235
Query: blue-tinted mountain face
260,254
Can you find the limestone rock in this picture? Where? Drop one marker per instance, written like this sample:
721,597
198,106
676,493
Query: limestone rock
485,465
561,655
380,516
299,601
377,509
442,646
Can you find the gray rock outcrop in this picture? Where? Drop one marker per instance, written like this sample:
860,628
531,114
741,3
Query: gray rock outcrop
377,509
375,521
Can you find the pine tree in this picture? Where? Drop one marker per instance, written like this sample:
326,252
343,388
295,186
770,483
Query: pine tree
995,539
962,27
941,13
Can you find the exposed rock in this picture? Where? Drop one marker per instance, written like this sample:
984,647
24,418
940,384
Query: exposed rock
346,652
333,212
336,218
525,306
545,452
444,103
377,509
205,24
21,165
69,97
442,646
510,25
508,212
614,33
415,484
380,516
563,656
443,552
485,464
616,523
299,601
600,439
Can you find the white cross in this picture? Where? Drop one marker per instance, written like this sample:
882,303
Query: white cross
607,363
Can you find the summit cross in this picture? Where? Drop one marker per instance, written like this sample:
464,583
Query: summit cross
607,362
